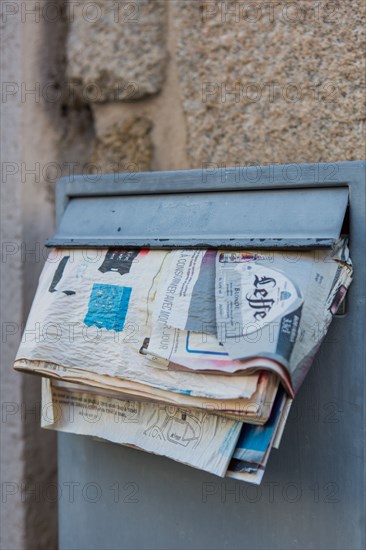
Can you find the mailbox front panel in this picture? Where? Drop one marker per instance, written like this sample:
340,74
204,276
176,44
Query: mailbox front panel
312,495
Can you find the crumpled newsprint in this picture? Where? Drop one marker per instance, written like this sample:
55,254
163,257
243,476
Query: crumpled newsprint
197,438
248,310
90,319
192,436
203,349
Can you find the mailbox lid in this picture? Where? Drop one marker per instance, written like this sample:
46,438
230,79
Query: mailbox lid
272,218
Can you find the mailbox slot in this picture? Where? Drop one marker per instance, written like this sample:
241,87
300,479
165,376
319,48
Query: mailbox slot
147,215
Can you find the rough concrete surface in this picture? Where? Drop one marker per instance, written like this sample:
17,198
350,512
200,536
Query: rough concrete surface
116,50
12,464
276,82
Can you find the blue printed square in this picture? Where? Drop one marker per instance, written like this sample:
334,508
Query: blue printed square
108,306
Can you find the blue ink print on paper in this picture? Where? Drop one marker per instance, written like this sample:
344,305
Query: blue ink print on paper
108,306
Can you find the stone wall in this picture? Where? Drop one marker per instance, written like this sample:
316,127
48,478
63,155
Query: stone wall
246,82
154,85
278,82
12,445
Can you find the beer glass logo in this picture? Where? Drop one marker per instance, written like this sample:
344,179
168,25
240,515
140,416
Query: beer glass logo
265,295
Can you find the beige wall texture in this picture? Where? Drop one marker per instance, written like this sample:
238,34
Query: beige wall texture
121,86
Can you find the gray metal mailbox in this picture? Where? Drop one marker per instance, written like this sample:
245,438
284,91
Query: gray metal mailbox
312,496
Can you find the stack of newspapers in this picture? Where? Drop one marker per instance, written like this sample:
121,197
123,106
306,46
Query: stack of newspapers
191,354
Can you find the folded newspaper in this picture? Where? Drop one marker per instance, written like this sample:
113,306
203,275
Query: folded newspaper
89,322
196,353
234,312
194,437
